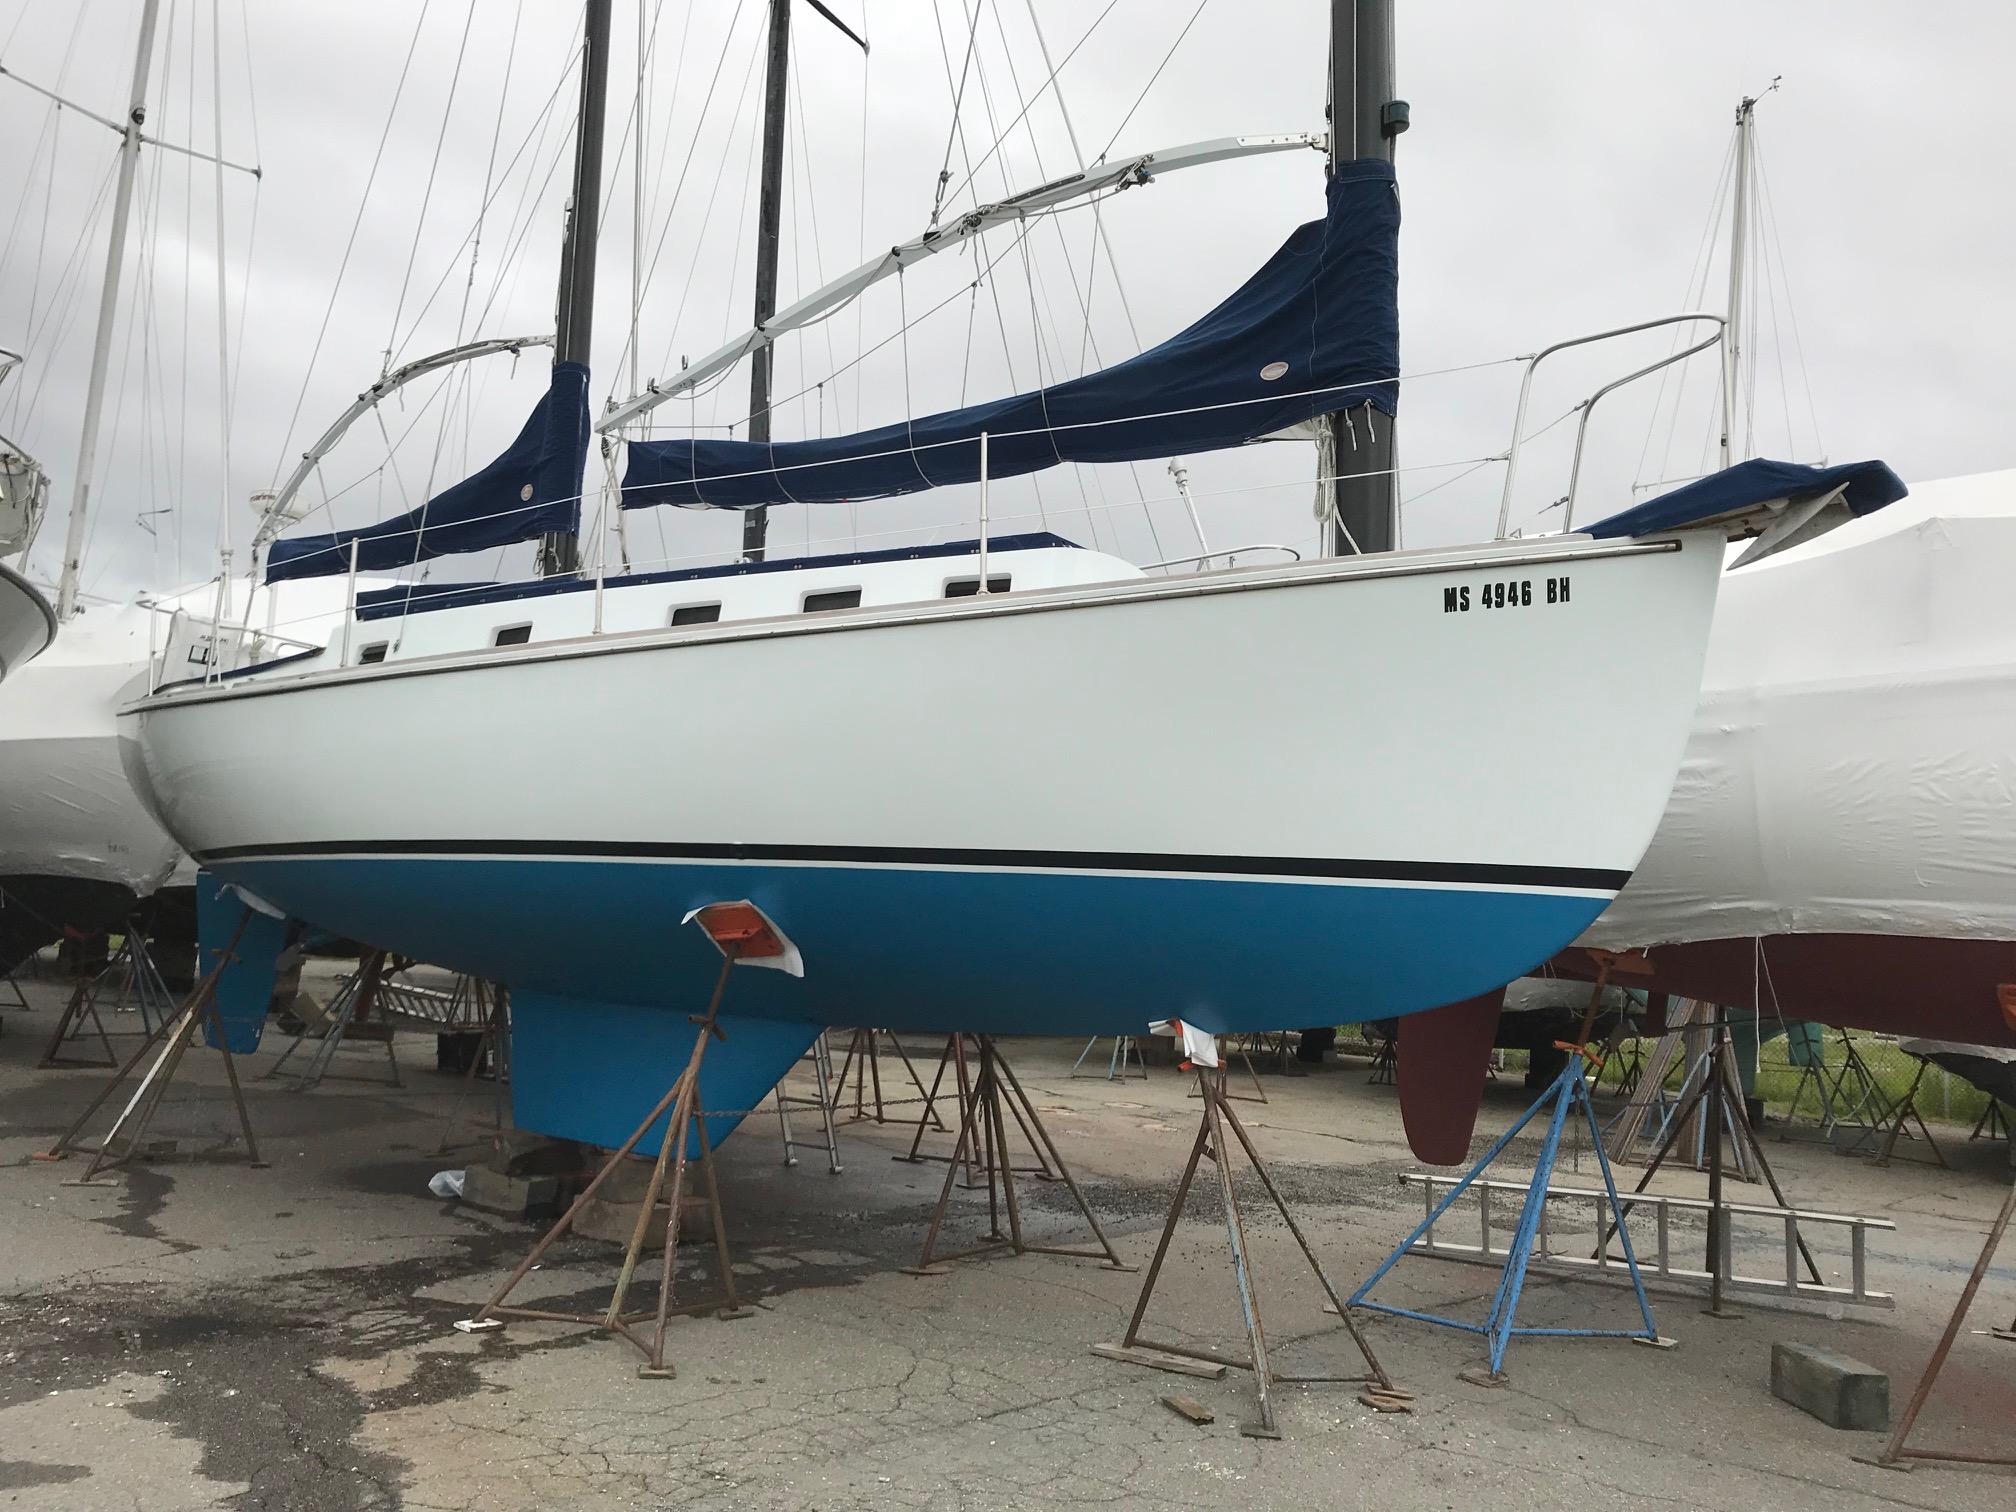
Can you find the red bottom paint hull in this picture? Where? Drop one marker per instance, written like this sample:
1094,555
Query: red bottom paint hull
1890,984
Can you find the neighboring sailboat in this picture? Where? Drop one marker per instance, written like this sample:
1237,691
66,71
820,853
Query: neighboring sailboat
957,776
78,851
27,622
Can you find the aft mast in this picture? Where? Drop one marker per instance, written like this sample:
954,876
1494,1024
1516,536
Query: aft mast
560,551
769,233
1364,120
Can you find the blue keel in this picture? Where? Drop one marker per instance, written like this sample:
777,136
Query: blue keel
590,1070
1569,1091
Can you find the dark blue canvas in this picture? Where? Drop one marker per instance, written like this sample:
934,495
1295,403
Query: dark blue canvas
533,488
1871,485
1315,330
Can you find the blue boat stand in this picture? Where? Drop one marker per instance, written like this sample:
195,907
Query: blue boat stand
1568,1092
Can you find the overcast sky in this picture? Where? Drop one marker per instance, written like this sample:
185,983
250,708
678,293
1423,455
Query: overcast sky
1559,177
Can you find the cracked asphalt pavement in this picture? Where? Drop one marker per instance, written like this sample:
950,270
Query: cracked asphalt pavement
197,1334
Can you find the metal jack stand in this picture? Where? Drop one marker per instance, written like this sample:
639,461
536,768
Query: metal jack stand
1992,1124
349,1016
1907,1112
1714,1089
1500,1327
821,1056
975,1160
1124,1045
1897,1455
138,976
1210,1144
1225,1054
123,1141
742,933
496,1039
982,1129
862,1045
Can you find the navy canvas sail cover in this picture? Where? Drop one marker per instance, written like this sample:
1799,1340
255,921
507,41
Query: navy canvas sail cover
1734,491
1317,329
534,487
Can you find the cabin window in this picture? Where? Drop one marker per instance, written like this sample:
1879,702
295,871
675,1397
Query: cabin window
695,614
832,598
375,652
970,587
512,635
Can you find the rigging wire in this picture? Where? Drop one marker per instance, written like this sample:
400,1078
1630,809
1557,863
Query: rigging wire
958,134
1088,338
693,146
1695,294
1042,89
1152,78
459,374
714,188
349,245
1791,315
952,129
392,345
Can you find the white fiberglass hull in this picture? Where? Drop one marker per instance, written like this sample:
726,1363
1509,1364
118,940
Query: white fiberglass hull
1331,791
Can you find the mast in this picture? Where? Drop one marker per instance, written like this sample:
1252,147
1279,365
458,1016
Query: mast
1364,119
1739,255
108,311
769,232
559,551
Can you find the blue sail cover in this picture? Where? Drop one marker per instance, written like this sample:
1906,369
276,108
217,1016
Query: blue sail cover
1315,330
533,488
1736,490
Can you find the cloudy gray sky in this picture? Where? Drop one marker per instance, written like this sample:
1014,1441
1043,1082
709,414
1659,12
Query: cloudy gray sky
1560,176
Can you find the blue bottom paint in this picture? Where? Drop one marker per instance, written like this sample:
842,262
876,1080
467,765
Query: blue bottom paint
591,1071
593,949
245,987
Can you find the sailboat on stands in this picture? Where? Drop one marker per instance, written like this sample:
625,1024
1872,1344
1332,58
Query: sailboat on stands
1007,784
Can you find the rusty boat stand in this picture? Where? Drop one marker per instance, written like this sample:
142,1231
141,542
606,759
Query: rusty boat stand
1211,1144
982,1147
976,1157
1897,1454
687,1122
125,1140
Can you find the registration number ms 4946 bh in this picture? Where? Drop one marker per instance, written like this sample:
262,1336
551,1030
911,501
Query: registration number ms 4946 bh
1514,593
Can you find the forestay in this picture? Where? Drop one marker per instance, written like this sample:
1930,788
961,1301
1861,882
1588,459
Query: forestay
1314,331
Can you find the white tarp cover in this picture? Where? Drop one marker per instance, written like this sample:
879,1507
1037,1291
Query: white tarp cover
1853,762
66,808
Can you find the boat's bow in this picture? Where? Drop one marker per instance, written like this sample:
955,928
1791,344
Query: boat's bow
27,623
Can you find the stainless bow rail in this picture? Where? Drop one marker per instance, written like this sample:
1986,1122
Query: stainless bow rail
1533,362
1577,1254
